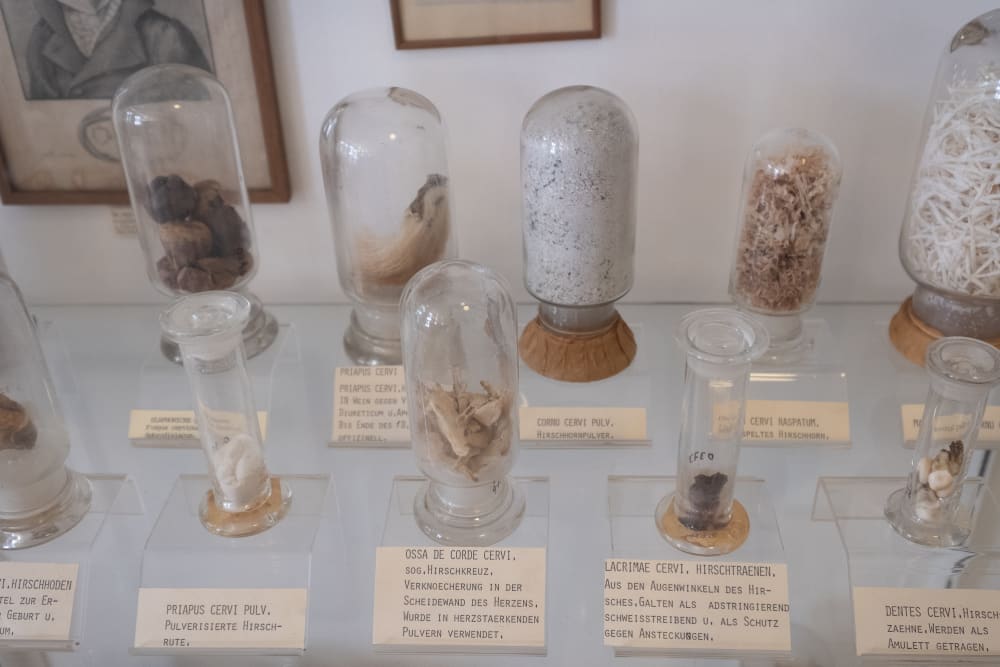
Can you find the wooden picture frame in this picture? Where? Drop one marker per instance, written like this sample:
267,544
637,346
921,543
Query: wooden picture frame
447,34
269,182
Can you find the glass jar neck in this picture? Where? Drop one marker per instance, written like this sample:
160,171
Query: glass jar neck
576,320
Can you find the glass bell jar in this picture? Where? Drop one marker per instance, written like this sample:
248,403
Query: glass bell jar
386,175
790,184
460,357
701,517
579,158
949,243
40,498
207,327
181,157
962,372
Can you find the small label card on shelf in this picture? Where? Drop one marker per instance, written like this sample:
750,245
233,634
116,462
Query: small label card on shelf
36,601
912,415
459,597
176,427
955,622
682,605
369,405
260,619
819,421
597,424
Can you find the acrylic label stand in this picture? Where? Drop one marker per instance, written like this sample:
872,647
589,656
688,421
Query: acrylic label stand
369,407
490,571
603,413
879,558
632,503
261,580
163,414
801,401
60,612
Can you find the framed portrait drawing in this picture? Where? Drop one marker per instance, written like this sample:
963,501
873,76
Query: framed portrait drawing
62,60
427,24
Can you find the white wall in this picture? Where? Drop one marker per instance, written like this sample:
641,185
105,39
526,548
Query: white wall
704,78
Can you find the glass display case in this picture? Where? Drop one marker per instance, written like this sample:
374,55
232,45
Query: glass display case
460,356
948,243
245,499
579,163
385,170
40,498
181,158
702,517
790,184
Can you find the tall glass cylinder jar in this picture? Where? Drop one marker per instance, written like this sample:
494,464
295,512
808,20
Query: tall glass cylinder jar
949,243
181,157
962,372
40,498
208,327
701,517
460,354
790,183
579,160
386,174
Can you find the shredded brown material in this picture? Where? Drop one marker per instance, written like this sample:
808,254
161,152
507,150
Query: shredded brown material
469,430
17,431
786,218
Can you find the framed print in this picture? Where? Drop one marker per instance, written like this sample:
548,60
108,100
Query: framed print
427,24
62,60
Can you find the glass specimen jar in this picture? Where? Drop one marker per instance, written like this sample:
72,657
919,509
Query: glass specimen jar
949,243
245,499
40,498
386,175
182,163
579,159
702,517
962,372
790,183
460,355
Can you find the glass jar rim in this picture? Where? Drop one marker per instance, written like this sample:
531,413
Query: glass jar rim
723,336
205,317
968,361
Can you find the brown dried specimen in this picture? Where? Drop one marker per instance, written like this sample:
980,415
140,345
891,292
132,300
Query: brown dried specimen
786,218
469,430
208,246
16,428
421,239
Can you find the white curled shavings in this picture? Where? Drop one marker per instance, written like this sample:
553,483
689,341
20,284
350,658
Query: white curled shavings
953,237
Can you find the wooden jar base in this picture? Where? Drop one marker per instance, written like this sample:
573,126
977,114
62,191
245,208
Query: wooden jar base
583,358
706,542
911,335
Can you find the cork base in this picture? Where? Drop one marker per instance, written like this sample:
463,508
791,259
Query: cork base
911,335
251,522
577,358
703,542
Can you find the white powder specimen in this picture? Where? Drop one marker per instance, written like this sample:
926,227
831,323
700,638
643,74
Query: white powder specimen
952,236
240,469
579,152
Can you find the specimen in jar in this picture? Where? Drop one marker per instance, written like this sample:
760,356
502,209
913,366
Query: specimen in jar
17,431
954,242
704,496
420,240
786,219
238,462
205,241
468,429
937,479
